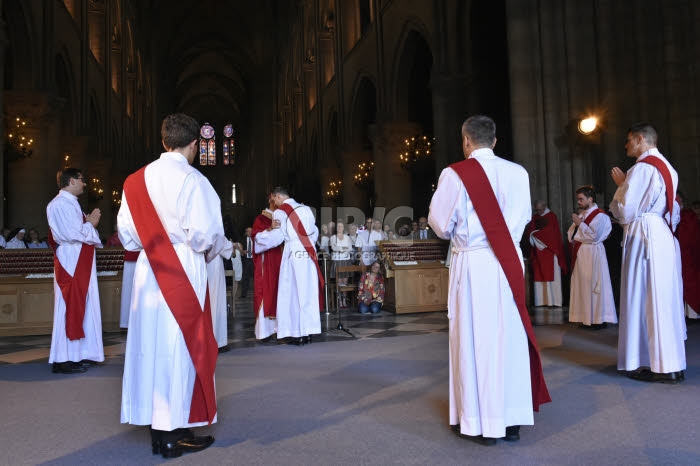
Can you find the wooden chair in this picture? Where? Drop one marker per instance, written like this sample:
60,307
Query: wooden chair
231,292
353,273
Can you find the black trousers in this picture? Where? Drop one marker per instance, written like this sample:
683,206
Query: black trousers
247,276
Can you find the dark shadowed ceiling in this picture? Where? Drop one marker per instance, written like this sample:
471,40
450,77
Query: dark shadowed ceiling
215,56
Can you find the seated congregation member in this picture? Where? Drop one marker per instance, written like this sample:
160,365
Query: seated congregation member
341,245
592,302
370,293
17,241
34,241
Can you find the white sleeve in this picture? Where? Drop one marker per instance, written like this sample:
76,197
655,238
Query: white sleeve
443,216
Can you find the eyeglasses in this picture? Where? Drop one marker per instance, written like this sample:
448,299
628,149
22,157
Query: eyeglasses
80,178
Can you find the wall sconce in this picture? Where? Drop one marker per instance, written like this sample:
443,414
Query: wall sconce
588,125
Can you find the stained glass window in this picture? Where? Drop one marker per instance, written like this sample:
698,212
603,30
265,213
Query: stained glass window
207,145
229,149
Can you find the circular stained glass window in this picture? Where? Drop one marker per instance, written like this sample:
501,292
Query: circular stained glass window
228,130
207,131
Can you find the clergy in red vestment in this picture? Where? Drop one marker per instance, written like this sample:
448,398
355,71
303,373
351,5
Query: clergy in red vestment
266,262
688,234
546,255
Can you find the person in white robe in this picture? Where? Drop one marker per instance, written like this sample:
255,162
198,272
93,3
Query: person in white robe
17,241
216,280
591,301
70,229
127,287
159,374
652,324
490,393
298,312
370,252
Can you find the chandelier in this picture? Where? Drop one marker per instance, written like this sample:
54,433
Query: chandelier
415,150
116,199
364,173
95,192
333,190
17,140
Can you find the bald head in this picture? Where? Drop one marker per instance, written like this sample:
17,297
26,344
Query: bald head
540,207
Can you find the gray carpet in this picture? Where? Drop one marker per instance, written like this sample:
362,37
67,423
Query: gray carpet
371,401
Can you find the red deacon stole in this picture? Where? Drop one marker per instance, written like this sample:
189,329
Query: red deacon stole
668,182
306,242
74,289
195,322
577,244
489,212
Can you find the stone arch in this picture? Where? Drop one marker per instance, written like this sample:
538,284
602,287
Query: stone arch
20,57
412,99
363,113
65,89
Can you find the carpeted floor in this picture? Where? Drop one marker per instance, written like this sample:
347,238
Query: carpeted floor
363,401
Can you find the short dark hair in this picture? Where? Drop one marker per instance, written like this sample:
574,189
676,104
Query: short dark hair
587,190
280,190
64,176
647,131
480,129
178,130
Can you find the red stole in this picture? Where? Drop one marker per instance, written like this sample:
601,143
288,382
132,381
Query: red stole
195,322
668,182
577,244
267,271
542,261
74,289
688,233
131,256
489,212
306,242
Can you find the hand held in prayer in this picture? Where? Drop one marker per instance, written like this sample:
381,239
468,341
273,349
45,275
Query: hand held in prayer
276,224
94,217
618,176
576,218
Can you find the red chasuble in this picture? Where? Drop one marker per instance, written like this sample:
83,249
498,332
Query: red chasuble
74,289
688,233
577,244
267,270
491,218
542,261
668,183
195,322
306,242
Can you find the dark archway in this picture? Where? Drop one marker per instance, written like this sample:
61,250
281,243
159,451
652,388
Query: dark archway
414,103
363,120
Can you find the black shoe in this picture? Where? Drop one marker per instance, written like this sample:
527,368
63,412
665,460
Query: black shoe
646,375
224,349
267,339
480,439
512,434
87,363
599,326
294,341
305,340
185,445
68,367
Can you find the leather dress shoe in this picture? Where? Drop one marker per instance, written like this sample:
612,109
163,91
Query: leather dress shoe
512,434
68,367
305,340
224,349
646,375
87,363
184,445
294,341
480,439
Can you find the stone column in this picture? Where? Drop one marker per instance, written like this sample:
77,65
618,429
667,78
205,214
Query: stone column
32,180
449,112
3,45
392,184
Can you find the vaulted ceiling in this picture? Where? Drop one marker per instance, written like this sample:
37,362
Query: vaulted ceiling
214,56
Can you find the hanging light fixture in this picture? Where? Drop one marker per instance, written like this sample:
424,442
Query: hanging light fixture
364,173
416,149
333,190
17,140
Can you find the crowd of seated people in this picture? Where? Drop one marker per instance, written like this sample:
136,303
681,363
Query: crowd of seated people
19,239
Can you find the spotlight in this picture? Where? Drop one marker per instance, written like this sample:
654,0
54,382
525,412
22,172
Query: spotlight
588,125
